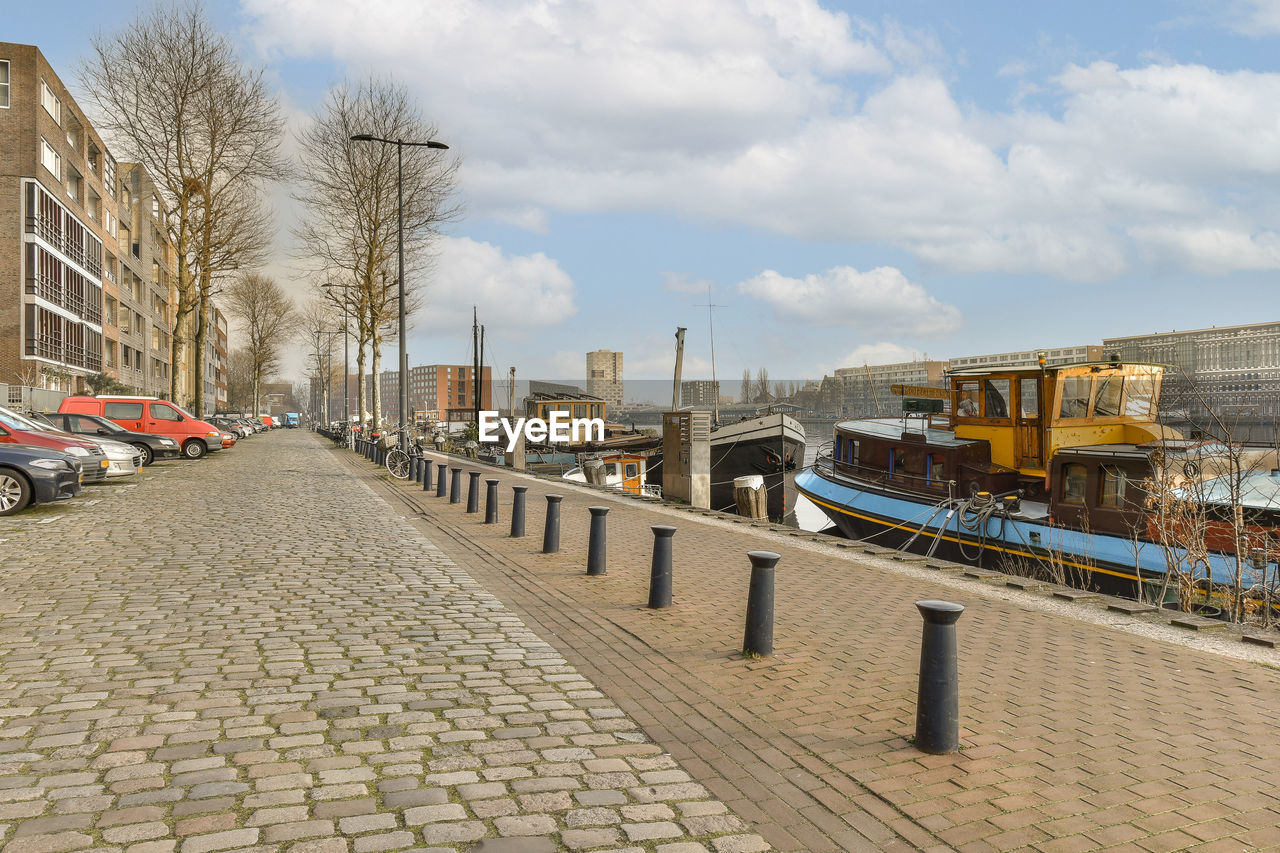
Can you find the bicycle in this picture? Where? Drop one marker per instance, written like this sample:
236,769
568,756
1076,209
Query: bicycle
399,463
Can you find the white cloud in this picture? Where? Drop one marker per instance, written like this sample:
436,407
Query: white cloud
744,112
513,292
679,282
881,299
1256,18
880,352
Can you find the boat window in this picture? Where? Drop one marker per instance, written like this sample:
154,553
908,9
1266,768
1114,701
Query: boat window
839,454
632,469
897,461
996,398
1108,403
1073,483
1141,391
850,451
937,472
611,469
967,400
1029,397
1075,396
1114,481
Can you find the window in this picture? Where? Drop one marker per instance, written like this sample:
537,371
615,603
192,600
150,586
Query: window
1075,396
631,469
1074,477
50,102
123,411
996,397
936,468
4,83
1108,403
1114,481
1029,397
967,400
1142,392
164,412
50,158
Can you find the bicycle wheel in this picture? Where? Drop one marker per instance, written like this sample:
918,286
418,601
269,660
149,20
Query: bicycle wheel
398,463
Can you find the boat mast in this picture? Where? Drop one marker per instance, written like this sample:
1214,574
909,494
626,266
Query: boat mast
715,390
475,362
675,389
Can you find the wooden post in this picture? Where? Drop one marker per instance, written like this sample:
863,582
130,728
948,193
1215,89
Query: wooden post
750,496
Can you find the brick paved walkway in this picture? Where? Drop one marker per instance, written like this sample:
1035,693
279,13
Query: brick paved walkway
1075,736
255,652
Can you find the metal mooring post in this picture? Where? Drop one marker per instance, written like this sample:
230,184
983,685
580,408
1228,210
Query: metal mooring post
517,511
938,699
426,474
551,530
757,640
597,545
381,458
441,473
473,491
660,573
455,485
414,469
491,501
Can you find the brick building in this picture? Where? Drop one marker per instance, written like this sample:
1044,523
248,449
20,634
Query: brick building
604,376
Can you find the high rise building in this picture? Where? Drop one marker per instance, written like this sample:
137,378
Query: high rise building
699,393
604,376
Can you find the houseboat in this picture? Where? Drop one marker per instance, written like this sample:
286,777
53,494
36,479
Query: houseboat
1059,471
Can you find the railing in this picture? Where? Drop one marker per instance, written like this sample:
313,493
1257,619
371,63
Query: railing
880,476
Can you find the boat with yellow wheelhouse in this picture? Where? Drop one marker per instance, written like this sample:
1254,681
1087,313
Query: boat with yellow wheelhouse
1049,467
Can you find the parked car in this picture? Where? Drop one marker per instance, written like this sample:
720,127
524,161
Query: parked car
124,460
31,474
231,425
152,447
153,415
93,461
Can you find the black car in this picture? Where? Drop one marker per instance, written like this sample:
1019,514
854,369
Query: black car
152,447
30,474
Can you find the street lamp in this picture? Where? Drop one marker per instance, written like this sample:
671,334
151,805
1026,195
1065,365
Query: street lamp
404,335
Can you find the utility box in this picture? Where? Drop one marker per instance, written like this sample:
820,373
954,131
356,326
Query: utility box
686,457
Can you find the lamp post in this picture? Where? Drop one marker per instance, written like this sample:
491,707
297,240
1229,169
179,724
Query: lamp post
404,335
346,358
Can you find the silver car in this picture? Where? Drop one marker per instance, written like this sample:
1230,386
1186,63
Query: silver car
123,459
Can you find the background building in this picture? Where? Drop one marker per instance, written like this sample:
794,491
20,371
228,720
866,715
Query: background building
1028,358
604,376
859,392
699,393
435,390
1235,370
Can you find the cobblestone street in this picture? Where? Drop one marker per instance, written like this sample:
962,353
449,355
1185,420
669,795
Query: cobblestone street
255,651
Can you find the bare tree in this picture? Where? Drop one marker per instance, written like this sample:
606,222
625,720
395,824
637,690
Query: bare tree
268,318
171,94
240,381
318,320
350,192
745,394
762,386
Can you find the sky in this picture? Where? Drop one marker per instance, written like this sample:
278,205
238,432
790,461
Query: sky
846,182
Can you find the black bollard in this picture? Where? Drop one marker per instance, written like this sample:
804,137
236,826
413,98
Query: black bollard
597,545
443,471
381,458
517,511
455,485
426,474
491,502
660,573
938,698
758,638
413,468
551,530
473,491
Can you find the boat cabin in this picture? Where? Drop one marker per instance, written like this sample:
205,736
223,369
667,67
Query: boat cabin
1004,427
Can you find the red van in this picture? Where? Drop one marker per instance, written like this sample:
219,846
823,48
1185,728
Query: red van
153,415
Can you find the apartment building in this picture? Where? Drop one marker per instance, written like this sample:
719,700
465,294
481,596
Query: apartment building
604,376
57,191
1029,358
435,390
699,393
89,246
